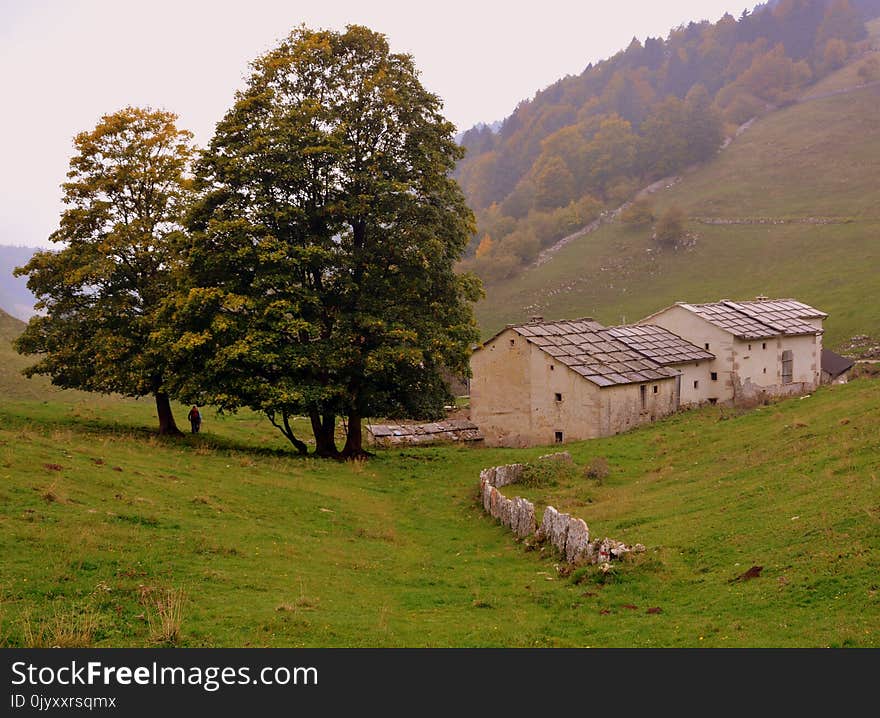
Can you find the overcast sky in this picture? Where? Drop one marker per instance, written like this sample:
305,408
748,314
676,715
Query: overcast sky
64,63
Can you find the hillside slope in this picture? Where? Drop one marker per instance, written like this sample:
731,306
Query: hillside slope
99,521
13,385
799,208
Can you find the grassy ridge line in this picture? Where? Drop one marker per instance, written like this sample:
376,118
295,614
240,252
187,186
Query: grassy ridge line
274,550
814,159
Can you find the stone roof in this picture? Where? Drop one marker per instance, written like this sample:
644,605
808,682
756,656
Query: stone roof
608,356
834,364
659,344
760,319
436,431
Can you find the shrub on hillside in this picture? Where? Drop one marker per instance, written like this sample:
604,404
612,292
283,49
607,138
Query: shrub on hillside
597,469
670,232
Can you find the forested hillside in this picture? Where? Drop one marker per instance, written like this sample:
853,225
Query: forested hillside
588,143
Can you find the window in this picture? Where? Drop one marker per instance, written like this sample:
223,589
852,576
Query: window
552,367
765,370
512,342
706,345
763,345
558,437
713,376
713,400
696,384
643,393
750,347
654,388
787,367
558,396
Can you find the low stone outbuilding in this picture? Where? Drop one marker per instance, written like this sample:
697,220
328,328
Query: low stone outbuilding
435,432
545,382
835,368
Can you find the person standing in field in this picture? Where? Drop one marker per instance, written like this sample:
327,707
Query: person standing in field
195,419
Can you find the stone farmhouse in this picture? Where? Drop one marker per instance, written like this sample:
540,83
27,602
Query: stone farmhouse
763,348
544,382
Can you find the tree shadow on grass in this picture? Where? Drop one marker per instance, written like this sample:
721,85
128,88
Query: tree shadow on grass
91,426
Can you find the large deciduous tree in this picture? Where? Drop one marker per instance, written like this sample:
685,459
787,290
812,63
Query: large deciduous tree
320,269
99,294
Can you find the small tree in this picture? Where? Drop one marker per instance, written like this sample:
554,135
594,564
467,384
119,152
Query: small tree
670,232
101,291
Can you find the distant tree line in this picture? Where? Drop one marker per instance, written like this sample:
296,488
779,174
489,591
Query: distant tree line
587,143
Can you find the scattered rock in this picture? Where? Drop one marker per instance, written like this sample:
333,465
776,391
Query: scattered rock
753,572
53,467
655,609
557,456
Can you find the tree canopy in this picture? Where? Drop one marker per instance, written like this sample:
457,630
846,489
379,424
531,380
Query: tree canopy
100,293
320,272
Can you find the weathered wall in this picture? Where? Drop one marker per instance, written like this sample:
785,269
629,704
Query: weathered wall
513,398
758,365
500,390
568,534
622,407
699,332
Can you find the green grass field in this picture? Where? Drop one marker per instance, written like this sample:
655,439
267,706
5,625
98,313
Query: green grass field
816,159
112,536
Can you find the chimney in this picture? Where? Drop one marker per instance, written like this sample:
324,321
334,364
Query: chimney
536,319
761,298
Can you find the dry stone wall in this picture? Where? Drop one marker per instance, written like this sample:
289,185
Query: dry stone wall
568,534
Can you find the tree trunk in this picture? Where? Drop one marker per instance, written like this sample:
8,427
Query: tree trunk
324,429
167,425
284,428
354,440
288,432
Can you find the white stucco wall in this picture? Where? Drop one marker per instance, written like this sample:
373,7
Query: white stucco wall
745,368
707,336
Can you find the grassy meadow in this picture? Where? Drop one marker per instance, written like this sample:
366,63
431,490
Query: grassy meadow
112,536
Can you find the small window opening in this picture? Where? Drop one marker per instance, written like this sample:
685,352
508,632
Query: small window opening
552,367
643,393
713,376
558,437
707,346
763,345
696,384
512,342
765,370
655,388
558,396
750,347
